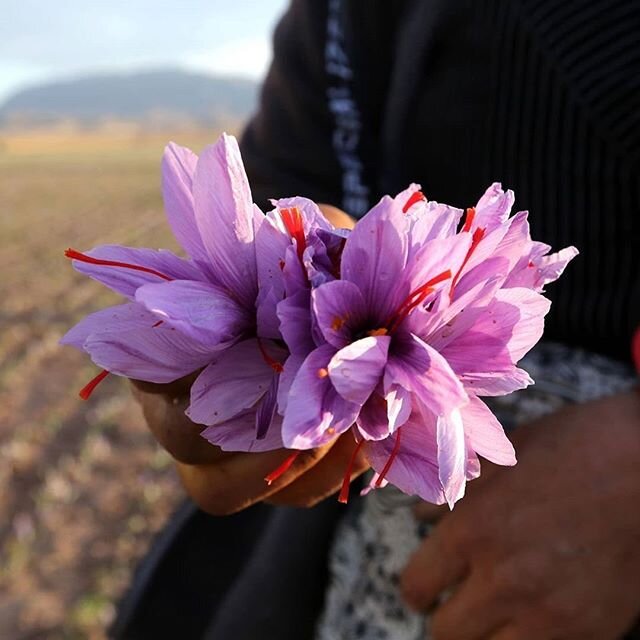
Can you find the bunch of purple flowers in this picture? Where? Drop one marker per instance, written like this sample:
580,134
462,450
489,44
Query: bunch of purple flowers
302,331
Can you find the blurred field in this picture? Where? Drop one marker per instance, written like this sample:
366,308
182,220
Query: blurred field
83,487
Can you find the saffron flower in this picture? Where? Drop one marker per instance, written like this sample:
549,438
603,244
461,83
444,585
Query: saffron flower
424,319
201,312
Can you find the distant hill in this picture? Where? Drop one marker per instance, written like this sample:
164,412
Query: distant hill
147,97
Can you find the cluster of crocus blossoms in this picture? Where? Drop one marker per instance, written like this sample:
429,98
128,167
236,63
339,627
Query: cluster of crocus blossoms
301,332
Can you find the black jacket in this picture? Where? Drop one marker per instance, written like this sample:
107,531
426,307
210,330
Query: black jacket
365,96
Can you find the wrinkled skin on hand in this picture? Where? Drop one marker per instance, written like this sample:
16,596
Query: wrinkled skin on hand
220,482
548,549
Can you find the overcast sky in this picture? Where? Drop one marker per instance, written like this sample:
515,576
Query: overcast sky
44,39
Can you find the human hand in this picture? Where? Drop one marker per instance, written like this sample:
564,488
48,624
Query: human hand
222,482
548,548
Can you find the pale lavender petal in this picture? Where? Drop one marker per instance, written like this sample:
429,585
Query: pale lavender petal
501,335
239,434
550,268
356,370
288,375
399,405
452,456
339,309
155,354
123,317
226,217
271,244
494,207
197,309
125,280
436,257
473,463
372,422
232,383
312,217
414,469
419,368
266,409
178,169
485,434
316,413
374,257
267,322
496,383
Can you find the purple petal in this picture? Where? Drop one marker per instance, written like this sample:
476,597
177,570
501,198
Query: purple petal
339,309
494,207
178,169
374,258
312,217
551,267
232,383
123,317
399,406
155,354
197,309
372,422
226,217
452,456
485,434
316,413
501,335
266,409
124,280
419,368
414,469
295,322
496,383
356,370
288,375
239,434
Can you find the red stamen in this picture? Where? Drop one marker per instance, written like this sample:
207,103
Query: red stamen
468,221
88,388
274,364
414,299
392,457
414,198
157,324
83,257
344,491
478,234
292,219
283,468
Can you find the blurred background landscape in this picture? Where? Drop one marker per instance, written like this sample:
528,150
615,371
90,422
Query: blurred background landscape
89,96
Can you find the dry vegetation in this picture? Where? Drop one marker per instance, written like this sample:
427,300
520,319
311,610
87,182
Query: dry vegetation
83,487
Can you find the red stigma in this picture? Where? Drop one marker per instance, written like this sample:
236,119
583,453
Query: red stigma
283,468
414,198
292,219
274,364
344,491
478,234
414,299
83,257
88,388
392,457
469,218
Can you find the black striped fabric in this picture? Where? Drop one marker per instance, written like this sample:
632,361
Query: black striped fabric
542,95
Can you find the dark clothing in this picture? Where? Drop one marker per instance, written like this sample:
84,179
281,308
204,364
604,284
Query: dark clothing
366,96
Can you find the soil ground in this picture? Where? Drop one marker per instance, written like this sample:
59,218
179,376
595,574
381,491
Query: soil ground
83,486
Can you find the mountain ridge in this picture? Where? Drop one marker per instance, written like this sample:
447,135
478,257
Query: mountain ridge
160,95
